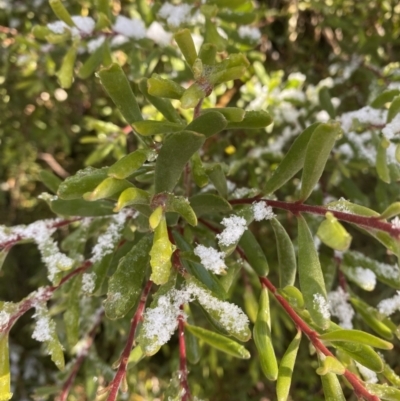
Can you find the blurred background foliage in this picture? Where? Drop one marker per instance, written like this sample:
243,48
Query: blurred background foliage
347,48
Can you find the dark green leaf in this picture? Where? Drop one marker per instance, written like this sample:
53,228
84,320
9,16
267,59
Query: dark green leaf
254,253
209,204
208,124
252,120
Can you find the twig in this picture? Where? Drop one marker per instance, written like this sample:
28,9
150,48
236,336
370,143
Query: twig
121,372
183,377
54,164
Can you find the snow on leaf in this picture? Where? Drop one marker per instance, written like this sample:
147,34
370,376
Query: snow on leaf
132,28
235,227
389,306
211,259
262,211
322,305
341,308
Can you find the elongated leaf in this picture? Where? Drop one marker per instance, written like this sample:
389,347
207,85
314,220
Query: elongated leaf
118,88
5,385
126,166
391,211
262,338
92,62
356,336
185,43
293,295
318,149
254,253
217,176
209,204
384,392
208,124
311,278
160,87
125,285
207,54
232,114
382,167
49,179
219,342
61,12
286,366
180,205
342,205
330,365
164,106
132,196
250,303
149,127
135,356
72,314
384,97
65,74
199,175
252,120
173,156
192,344
82,208
332,388
107,188
394,109
292,162
326,101
192,96
286,255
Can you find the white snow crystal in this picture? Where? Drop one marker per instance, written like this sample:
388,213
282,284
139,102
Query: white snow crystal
157,33
368,375
4,318
396,222
364,277
249,32
88,282
44,327
57,27
94,44
132,28
175,15
392,128
235,227
84,24
262,211
341,308
211,259
366,115
322,305
389,306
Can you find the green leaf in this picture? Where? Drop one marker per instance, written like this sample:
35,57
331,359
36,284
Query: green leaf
208,124
150,127
83,181
199,175
241,18
118,88
219,342
229,74
135,356
250,303
311,278
172,158
72,314
207,54
161,253
65,74
292,162
91,63
211,35
330,365
162,105
180,205
107,188
286,255
185,43
192,344
342,205
231,114
61,12
192,95
333,234
128,164
209,204
132,196
326,102
49,179
356,336
332,388
318,149
252,120
80,207
383,391
125,285
293,295
217,176
285,371
385,97
160,87
262,338
391,211
382,167
232,4
394,109
5,386
254,253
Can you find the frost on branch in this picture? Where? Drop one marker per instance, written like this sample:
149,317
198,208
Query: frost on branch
235,227
262,212
389,306
211,259
341,308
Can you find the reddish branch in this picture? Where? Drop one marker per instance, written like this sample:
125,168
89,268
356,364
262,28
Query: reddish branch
123,364
356,383
80,357
183,377
297,208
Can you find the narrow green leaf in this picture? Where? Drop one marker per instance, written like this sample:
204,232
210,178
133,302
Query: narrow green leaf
286,255
160,87
229,74
135,356
185,43
356,336
232,114
394,109
162,105
125,285
192,344
384,392
65,74
150,127
107,188
207,54
391,211
311,278
332,388
385,97
132,196
208,124
209,204
92,62
211,35
80,207
330,365
250,303
217,176
326,102
254,253
286,366
293,295
318,149
199,175
333,234
262,338
219,342
382,167
180,205
72,314
49,179
127,165
61,12
252,120
241,18
192,96
118,88
173,156
232,4
292,162
5,380
342,205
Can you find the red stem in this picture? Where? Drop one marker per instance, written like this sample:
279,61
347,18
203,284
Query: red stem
358,386
183,377
81,357
296,208
121,372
